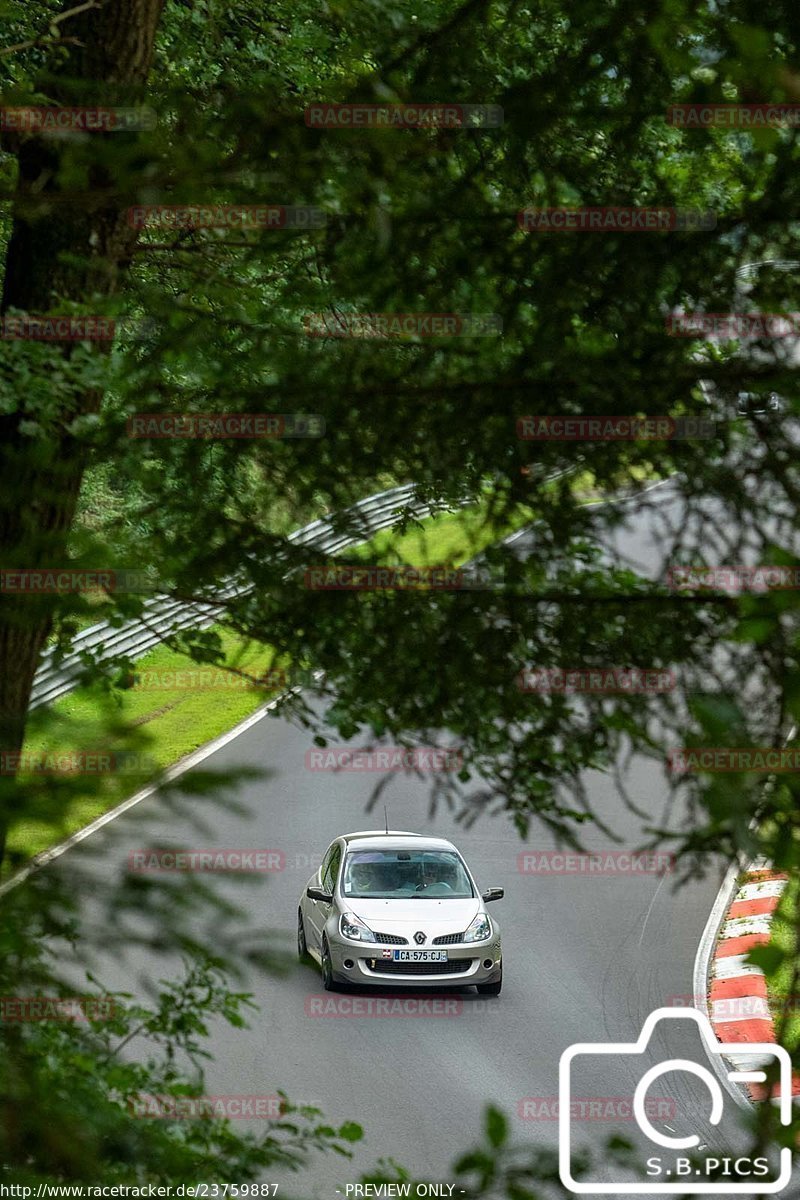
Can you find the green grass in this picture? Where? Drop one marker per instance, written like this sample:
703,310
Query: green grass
169,723
782,987
585,487
165,724
447,539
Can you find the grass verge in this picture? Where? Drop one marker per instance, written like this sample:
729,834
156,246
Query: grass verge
782,986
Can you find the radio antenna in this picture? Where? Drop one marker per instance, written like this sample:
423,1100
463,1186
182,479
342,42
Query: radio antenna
385,819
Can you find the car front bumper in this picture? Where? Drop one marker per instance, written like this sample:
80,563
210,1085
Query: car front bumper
371,964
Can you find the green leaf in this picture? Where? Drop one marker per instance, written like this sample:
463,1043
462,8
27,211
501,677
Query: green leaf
496,1127
769,958
351,1131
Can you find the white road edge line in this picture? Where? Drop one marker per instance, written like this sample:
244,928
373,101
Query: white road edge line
626,499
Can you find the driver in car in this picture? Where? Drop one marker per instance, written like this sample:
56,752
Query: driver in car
428,875
361,880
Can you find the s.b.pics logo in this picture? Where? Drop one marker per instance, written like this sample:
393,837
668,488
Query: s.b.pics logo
677,1162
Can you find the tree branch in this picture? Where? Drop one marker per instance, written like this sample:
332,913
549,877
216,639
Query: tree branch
54,41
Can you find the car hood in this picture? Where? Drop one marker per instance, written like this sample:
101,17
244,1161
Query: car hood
431,916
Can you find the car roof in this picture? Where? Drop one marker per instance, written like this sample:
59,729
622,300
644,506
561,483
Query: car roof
379,839
371,833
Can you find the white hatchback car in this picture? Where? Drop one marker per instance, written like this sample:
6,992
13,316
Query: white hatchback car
399,909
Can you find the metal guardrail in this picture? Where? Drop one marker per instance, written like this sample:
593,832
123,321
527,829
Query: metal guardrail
162,616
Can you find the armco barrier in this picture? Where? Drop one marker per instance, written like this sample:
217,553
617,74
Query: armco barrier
163,616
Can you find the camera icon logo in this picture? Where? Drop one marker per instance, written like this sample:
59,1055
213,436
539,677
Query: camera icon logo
670,1173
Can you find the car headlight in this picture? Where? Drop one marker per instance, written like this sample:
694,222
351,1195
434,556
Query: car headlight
479,930
351,926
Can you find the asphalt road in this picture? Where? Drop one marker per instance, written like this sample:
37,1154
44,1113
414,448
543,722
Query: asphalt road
587,958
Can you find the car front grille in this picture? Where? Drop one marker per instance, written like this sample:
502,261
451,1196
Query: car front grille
390,939
456,966
448,939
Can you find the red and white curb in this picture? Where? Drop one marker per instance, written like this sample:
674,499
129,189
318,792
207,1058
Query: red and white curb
738,1006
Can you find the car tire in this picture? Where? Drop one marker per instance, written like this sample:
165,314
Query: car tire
328,982
302,945
491,989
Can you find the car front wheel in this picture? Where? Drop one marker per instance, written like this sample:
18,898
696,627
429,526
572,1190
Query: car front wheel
302,948
491,989
327,968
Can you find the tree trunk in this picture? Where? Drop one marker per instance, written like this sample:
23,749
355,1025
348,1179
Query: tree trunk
59,251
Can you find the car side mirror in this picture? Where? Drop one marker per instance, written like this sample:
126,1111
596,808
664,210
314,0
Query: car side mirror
314,893
493,894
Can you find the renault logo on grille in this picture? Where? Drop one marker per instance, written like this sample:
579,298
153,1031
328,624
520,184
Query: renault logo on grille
419,938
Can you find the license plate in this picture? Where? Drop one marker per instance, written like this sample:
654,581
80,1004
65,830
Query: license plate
420,956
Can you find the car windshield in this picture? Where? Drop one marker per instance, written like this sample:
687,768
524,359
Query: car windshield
405,875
